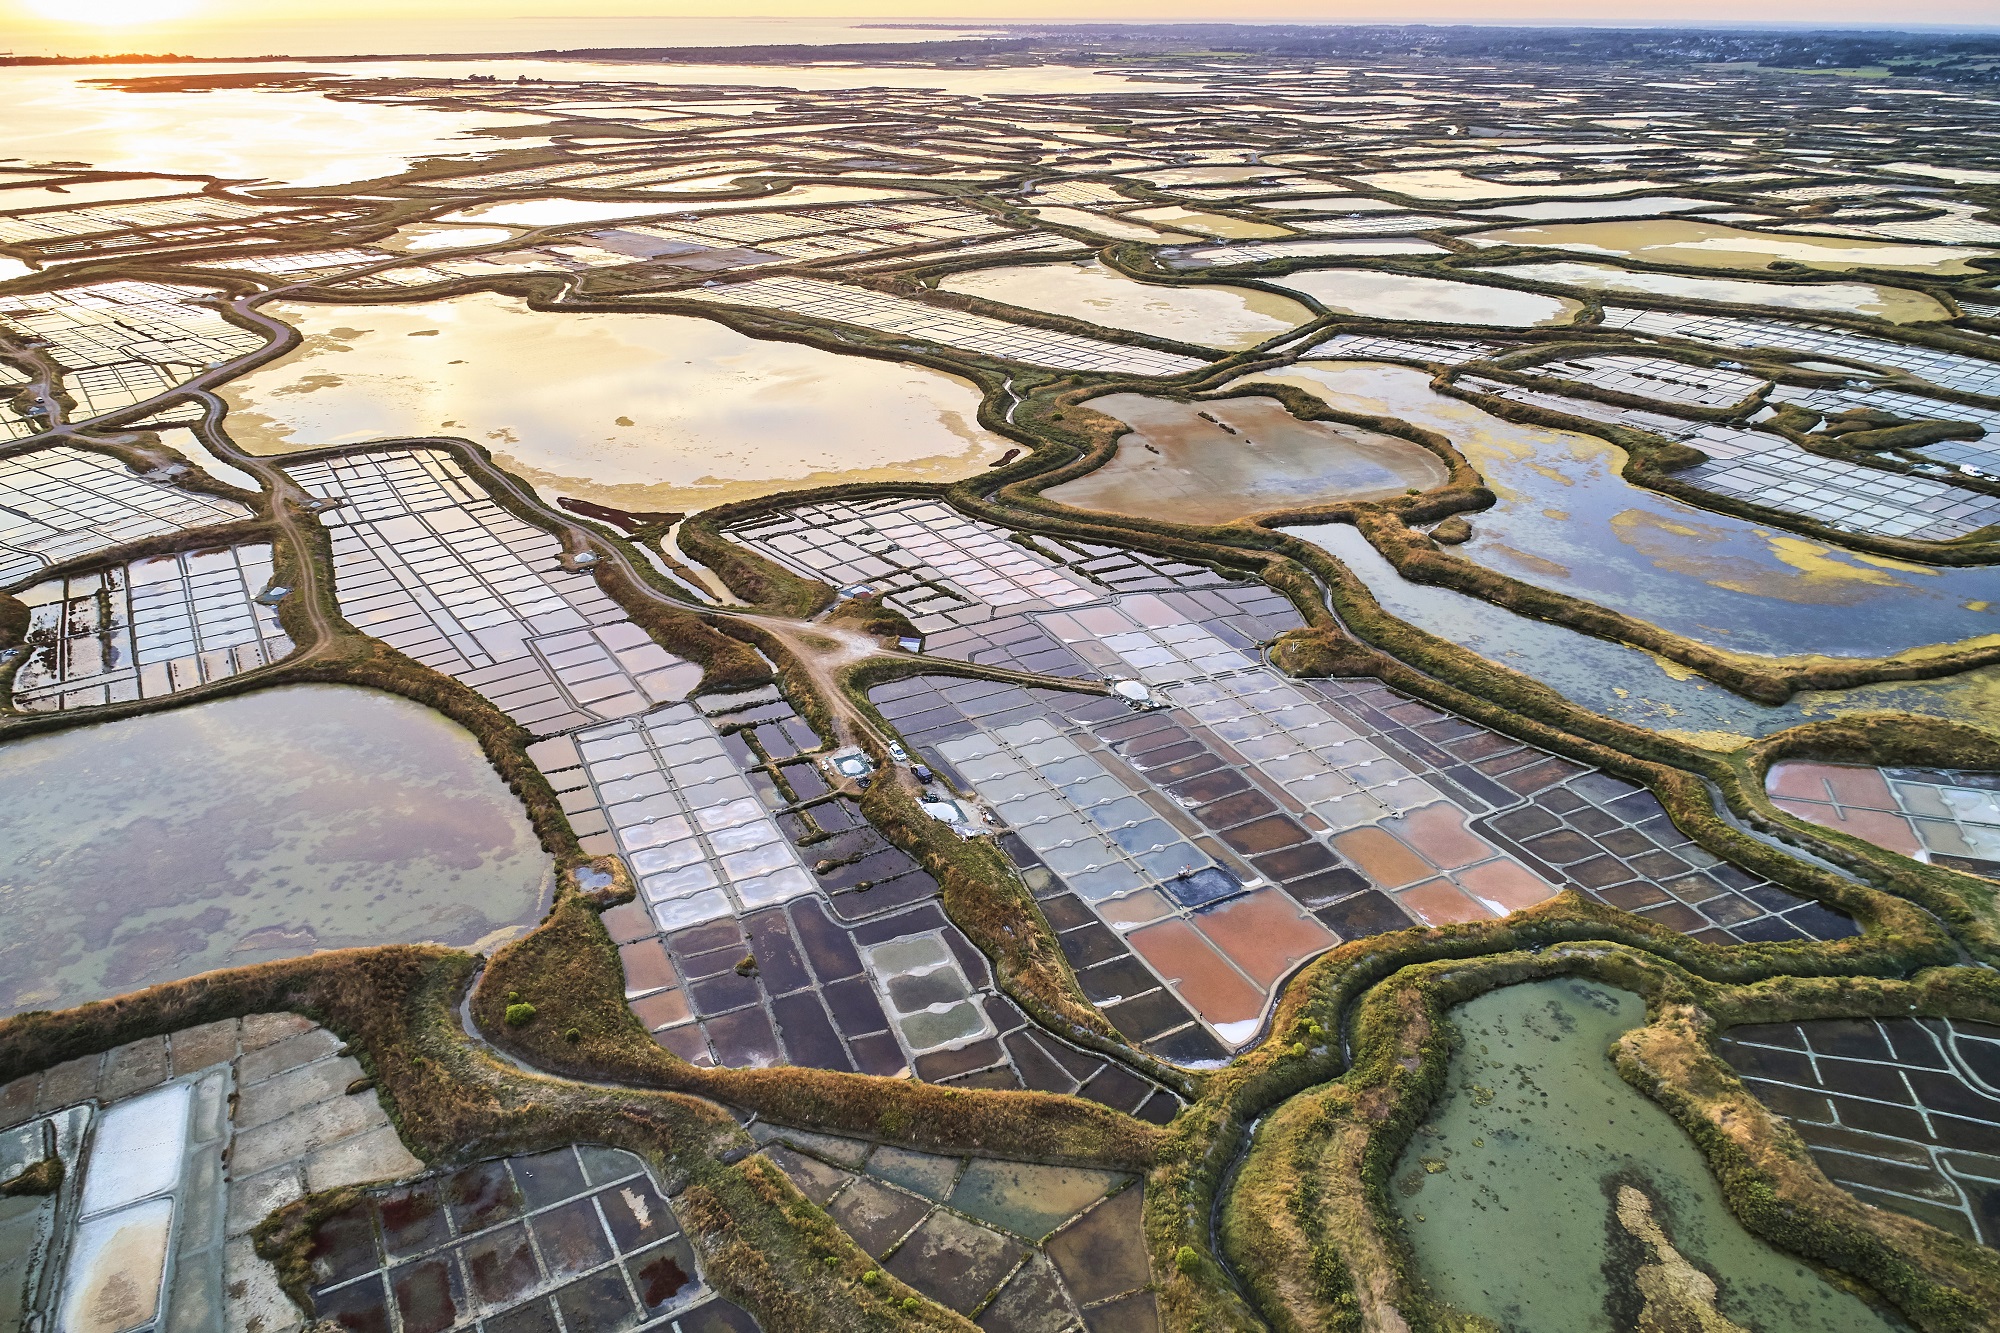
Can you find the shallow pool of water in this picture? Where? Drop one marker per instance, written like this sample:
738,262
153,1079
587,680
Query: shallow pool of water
294,137
1360,291
639,411
1225,256
1713,245
1629,684
1898,305
1445,183
1231,318
555,211
1513,1197
1565,519
1177,461
1216,175
257,827
1557,210
1108,226
427,236
1209,224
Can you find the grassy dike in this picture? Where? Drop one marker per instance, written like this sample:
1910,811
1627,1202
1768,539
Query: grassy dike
1354,636
569,970
762,1243
1311,1230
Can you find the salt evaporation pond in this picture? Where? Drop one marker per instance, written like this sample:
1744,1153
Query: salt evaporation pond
1516,1193
1713,245
1628,684
1566,520
639,411
1898,305
257,827
1220,459
1361,291
1232,318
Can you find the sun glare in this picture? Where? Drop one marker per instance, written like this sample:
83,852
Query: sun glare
112,13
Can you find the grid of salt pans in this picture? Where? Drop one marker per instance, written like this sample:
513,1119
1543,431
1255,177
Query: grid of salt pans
131,328
1380,224
1157,642
150,628
948,328
1950,370
426,563
1655,377
1766,470
1364,347
1658,423
58,504
125,217
1085,825
699,842
928,560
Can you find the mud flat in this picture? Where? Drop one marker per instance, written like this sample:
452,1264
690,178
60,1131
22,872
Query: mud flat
257,827
644,412
1251,457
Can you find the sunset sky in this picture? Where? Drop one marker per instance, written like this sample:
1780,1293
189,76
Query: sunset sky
211,27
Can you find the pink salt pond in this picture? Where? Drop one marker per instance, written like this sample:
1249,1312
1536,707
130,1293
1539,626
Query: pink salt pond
1847,798
1227,962
1438,868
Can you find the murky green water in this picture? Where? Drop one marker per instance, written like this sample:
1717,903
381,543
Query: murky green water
1566,520
1508,1189
252,828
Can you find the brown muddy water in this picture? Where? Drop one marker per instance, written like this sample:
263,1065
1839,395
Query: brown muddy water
1177,464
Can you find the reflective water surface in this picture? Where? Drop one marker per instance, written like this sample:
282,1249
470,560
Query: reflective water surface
1896,304
638,411
1210,316
1565,519
1360,291
256,827
1215,461
1630,684
1713,245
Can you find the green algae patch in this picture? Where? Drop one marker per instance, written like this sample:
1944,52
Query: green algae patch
1536,1140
